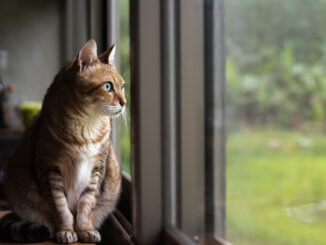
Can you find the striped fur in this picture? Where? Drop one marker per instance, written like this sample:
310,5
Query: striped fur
64,178
12,228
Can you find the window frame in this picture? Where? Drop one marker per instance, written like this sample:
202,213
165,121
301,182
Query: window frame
215,138
153,46
146,115
147,212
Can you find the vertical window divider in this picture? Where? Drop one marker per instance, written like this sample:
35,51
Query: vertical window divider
192,123
214,118
112,37
171,157
146,126
169,111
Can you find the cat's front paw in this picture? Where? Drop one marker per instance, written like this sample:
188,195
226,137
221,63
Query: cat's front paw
66,237
89,236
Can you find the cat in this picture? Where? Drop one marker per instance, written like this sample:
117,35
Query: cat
64,178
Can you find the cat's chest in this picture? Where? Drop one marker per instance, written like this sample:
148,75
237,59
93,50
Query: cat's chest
81,173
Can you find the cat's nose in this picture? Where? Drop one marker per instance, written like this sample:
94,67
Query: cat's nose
122,102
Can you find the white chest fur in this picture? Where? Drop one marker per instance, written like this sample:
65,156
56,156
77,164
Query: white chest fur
81,173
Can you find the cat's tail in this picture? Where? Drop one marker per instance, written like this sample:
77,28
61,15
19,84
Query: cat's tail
14,229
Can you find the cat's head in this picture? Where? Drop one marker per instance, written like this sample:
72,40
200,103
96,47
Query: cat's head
100,82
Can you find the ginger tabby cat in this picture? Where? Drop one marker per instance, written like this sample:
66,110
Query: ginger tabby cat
64,178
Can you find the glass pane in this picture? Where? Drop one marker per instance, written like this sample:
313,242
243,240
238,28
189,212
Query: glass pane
276,106
125,72
191,119
193,176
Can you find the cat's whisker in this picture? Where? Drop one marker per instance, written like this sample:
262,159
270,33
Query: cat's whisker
125,73
102,111
124,118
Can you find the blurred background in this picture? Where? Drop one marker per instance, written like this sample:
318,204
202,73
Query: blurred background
276,112
275,106
37,39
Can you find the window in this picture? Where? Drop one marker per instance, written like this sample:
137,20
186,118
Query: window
177,58
125,71
275,117
177,115
172,151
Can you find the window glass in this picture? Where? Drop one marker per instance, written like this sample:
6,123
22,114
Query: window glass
276,112
191,171
125,72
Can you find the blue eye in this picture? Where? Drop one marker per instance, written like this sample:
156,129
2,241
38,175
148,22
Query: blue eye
108,86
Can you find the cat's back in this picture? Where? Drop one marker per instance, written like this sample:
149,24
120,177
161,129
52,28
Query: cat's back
25,151
18,173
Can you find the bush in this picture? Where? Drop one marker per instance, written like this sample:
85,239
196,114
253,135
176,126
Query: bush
275,63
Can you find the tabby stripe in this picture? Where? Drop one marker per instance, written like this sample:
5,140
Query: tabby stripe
25,230
15,228
60,201
56,187
94,88
58,194
55,170
56,178
88,190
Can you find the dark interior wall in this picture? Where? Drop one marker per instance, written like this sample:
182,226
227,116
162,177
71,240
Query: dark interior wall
30,32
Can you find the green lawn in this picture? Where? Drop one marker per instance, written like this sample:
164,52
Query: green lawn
276,181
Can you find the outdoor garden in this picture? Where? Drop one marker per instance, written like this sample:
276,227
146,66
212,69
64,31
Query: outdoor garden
276,112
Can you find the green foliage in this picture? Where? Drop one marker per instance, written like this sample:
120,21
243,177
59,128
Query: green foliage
253,26
125,72
275,64
276,77
281,90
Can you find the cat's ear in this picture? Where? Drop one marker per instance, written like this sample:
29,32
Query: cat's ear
108,57
87,55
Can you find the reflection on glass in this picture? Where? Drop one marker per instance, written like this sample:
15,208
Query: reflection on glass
276,113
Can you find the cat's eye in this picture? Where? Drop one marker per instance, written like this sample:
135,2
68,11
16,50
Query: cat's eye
108,86
123,86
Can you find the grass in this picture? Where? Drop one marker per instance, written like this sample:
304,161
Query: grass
276,181
271,177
